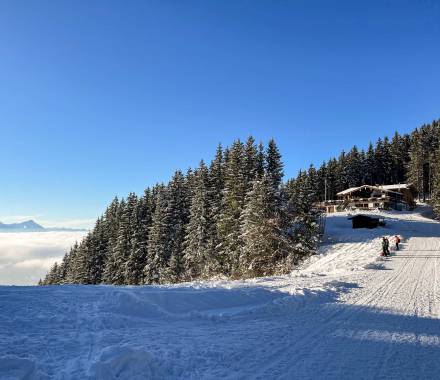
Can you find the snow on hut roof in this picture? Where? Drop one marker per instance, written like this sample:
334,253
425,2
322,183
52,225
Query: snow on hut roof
352,189
379,188
398,186
348,191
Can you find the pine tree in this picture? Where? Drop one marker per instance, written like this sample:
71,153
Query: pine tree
331,177
415,165
118,243
250,163
274,166
265,241
177,216
196,246
142,216
369,167
216,183
112,218
342,176
312,177
354,168
387,162
379,169
436,184
69,263
321,182
232,204
52,276
97,252
158,239
303,219
261,161
123,246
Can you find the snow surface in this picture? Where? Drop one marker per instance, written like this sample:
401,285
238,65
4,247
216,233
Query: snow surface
346,314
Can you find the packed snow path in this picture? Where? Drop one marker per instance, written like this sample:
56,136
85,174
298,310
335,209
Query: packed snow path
345,315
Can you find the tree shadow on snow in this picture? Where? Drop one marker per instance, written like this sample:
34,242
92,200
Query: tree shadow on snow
339,229
247,332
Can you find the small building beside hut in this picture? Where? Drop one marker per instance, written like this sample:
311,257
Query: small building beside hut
366,221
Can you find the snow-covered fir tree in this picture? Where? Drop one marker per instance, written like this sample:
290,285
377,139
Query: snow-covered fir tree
141,222
266,243
158,239
196,246
177,217
232,205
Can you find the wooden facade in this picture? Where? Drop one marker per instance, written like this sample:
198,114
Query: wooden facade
367,197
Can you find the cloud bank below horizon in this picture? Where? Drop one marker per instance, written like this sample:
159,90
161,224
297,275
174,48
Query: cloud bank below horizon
25,257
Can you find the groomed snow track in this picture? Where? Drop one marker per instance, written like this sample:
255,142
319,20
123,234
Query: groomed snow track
345,315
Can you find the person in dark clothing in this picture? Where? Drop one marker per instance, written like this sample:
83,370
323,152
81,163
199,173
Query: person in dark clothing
397,242
385,245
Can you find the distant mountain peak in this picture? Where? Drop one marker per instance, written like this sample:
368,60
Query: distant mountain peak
31,223
27,225
32,226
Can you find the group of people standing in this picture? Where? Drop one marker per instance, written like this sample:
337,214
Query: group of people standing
386,245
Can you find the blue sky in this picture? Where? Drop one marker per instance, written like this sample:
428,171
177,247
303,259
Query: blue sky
99,98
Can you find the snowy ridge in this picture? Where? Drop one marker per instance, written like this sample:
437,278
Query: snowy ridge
28,225
346,313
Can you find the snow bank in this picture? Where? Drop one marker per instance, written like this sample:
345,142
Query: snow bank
172,302
124,362
13,368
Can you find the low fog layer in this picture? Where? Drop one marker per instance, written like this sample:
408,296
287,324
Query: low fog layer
25,257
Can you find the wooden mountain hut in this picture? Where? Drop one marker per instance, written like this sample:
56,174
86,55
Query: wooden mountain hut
369,197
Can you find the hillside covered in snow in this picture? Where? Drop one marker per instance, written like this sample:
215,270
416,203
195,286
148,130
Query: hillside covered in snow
345,314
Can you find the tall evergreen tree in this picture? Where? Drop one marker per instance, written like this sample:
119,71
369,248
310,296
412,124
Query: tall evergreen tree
250,163
232,204
266,243
196,246
303,218
354,167
216,183
158,239
177,216
123,245
274,165
142,216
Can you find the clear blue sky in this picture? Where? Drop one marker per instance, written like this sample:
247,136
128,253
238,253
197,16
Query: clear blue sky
99,98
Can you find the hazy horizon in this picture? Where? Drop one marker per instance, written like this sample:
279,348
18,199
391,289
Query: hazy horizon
25,257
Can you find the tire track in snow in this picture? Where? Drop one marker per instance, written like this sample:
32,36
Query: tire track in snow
387,288
282,356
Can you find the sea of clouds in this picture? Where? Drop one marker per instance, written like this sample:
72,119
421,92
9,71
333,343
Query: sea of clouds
25,257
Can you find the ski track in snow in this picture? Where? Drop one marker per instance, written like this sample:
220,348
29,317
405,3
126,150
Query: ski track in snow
345,314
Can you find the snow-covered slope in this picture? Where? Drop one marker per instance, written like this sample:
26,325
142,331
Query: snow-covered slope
345,314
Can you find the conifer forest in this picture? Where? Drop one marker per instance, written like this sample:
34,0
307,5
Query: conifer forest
235,217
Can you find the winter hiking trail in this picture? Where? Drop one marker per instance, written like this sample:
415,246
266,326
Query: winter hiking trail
346,314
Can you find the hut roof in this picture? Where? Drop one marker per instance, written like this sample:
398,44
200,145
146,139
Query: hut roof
378,188
398,187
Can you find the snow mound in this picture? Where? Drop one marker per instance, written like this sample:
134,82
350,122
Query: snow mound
118,362
157,302
14,368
